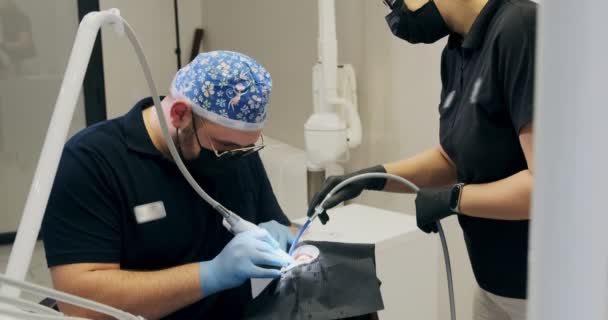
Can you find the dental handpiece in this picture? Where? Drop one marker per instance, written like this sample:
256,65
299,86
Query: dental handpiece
318,210
234,223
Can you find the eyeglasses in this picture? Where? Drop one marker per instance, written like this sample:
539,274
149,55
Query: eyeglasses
234,153
239,152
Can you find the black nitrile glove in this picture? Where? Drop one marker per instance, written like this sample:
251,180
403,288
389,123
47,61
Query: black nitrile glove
432,205
349,191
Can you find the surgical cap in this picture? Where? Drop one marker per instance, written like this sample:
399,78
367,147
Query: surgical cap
227,88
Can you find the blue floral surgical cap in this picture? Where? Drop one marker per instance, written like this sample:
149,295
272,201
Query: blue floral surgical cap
228,88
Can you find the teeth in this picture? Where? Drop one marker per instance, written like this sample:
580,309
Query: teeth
303,258
303,255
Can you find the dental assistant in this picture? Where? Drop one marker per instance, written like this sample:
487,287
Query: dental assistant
482,170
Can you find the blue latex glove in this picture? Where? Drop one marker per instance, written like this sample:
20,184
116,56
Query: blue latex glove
282,234
241,259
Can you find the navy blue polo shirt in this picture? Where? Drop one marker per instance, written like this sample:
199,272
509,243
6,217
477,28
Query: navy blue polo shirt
487,98
109,169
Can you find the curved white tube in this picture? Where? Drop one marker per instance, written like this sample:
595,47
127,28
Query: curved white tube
67,298
26,305
13,315
35,205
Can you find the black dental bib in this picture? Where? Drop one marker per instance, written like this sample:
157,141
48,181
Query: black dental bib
341,283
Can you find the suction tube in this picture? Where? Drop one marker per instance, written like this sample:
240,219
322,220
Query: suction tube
444,244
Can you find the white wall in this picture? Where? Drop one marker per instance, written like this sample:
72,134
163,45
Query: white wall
21,135
154,24
398,83
280,35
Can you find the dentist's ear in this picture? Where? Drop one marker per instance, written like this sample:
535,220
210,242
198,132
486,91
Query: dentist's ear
181,114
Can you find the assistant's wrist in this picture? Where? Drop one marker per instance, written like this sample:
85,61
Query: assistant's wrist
464,204
455,197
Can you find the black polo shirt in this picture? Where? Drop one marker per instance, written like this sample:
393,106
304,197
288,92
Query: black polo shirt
487,98
108,170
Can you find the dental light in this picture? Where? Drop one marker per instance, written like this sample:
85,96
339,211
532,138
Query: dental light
335,126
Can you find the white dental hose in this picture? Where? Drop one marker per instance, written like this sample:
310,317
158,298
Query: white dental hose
232,221
446,255
27,306
57,296
14,314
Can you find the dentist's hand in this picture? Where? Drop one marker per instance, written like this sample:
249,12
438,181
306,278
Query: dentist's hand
282,234
241,259
349,191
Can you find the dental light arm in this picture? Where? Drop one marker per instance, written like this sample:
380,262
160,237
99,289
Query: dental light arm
349,100
334,126
319,209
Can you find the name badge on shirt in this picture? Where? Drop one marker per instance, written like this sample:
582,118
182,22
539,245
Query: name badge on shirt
150,212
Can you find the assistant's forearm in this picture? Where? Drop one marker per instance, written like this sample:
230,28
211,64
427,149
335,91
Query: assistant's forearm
427,169
506,199
152,295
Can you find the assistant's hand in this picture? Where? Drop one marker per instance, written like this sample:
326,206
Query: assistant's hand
350,191
432,205
282,234
241,259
